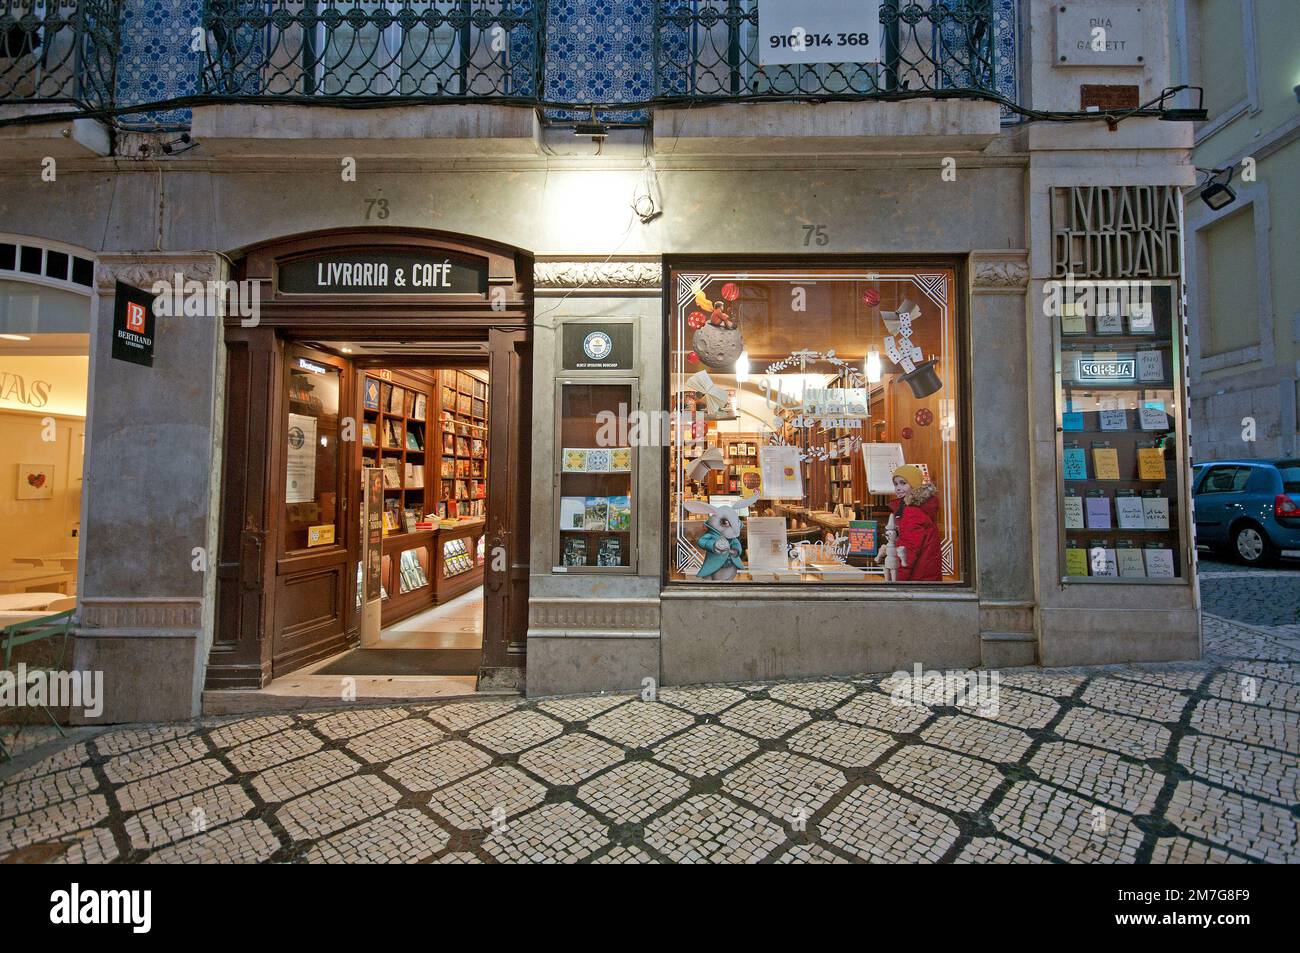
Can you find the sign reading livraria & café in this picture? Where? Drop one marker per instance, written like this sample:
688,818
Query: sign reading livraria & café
384,273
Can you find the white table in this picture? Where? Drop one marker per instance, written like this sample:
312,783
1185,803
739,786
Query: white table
27,578
28,601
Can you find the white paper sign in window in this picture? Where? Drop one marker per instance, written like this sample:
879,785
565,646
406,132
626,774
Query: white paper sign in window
818,31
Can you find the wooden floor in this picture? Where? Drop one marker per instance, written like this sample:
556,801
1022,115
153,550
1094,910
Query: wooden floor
455,625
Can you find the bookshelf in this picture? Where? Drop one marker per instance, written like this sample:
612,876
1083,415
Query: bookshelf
463,442
394,436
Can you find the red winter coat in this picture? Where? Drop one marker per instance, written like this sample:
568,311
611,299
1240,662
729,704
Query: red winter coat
917,532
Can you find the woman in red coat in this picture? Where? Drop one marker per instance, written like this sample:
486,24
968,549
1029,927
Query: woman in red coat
915,509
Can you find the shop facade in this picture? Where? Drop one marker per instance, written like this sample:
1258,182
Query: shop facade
888,271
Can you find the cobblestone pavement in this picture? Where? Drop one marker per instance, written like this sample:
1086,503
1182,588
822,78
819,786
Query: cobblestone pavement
1269,596
1161,763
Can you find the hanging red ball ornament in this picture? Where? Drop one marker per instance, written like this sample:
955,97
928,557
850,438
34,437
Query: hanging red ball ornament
907,433
871,297
697,319
924,416
692,358
730,291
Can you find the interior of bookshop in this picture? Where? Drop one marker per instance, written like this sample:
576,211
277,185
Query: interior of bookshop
44,365
816,427
423,442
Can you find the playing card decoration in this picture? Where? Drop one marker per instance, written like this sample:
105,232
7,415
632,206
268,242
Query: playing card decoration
717,342
919,373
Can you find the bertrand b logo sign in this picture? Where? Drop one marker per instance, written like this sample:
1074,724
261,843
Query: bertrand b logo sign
133,325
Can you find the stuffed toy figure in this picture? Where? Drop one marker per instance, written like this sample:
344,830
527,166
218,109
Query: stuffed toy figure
721,539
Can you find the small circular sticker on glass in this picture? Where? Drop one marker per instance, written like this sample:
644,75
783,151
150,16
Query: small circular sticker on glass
597,345
296,438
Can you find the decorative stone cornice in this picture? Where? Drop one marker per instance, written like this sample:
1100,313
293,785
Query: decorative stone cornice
580,615
143,270
619,275
1000,271
158,615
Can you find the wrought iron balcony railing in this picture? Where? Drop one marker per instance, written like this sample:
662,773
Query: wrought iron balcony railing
709,50
58,51
380,50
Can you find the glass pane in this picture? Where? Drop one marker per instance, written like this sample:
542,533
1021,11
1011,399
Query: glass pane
312,460
815,427
595,476
1119,461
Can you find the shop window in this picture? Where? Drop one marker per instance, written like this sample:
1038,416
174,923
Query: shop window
816,426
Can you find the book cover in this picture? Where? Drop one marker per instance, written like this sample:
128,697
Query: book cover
368,435
1114,420
1159,562
1141,317
1152,416
1096,510
1129,511
1151,463
1076,467
1073,512
1106,462
1073,320
413,441
575,551
1109,321
1072,420
1129,560
620,514
572,510
1101,561
370,394
610,552
421,409
1150,366
863,538
408,403
1076,561
1155,512
385,394
395,397
596,513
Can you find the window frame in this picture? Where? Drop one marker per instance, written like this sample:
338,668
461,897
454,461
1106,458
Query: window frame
964,551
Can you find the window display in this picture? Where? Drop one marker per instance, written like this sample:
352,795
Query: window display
815,433
1119,456
594,471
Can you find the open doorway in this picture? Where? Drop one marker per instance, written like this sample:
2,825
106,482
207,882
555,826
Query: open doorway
354,368
423,434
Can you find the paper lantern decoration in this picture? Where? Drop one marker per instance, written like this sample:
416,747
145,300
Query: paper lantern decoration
907,433
871,297
697,319
730,291
924,416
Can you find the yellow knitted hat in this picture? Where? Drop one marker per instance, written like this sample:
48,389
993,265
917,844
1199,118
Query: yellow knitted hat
912,474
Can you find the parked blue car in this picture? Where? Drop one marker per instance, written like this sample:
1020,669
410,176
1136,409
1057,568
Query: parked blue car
1248,508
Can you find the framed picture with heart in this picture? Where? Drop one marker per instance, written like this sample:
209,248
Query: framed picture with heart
35,481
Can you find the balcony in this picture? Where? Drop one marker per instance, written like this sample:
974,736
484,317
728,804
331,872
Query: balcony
353,51
480,59
56,56
931,81
55,51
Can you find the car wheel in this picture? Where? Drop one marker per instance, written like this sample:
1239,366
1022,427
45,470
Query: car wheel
1251,545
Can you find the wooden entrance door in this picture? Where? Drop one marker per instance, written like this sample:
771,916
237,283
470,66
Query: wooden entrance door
505,579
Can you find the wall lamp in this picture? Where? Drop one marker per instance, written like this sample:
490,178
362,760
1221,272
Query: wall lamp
594,127
1217,193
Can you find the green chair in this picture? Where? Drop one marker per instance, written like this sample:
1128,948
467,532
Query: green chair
57,626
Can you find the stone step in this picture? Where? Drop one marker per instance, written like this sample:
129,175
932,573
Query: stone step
1008,649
